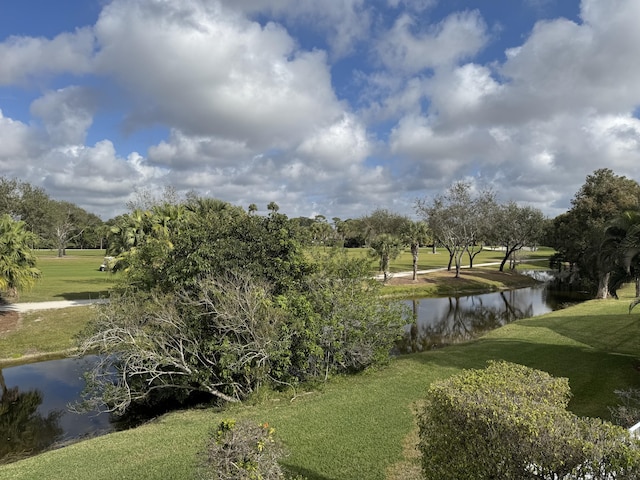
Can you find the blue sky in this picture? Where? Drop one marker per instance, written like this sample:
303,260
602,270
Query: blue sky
333,108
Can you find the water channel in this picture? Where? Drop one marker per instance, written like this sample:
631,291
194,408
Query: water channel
34,413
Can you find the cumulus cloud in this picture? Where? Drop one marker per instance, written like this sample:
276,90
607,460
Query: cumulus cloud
207,71
67,114
17,146
24,58
343,23
460,35
258,101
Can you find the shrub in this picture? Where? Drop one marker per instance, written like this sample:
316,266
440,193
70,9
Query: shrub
242,450
510,422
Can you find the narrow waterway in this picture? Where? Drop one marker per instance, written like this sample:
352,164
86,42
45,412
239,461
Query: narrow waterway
34,414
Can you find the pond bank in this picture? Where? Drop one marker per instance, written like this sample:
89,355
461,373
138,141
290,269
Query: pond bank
30,335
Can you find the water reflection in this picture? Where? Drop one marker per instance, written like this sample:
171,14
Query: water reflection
23,430
33,409
445,321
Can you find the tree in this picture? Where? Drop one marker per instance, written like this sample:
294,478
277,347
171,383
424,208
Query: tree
579,234
510,422
515,227
227,302
457,219
621,249
17,261
414,234
385,247
381,221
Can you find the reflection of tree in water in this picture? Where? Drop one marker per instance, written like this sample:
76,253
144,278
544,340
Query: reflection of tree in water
23,431
462,321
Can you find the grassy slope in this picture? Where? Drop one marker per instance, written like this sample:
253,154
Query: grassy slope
354,428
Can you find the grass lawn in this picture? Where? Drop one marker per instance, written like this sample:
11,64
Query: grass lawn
74,276
39,334
360,427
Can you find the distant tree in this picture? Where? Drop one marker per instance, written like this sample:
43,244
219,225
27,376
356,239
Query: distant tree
415,234
9,196
382,221
17,261
321,231
386,247
457,219
515,227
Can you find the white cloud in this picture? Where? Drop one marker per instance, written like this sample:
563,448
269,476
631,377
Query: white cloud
18,145
25,58
344,23
459,36
338,146
66,113
207,71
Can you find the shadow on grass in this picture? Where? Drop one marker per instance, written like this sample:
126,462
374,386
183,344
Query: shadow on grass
86,295
593,375
307,474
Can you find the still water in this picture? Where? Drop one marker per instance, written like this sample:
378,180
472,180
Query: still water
34,414
445,321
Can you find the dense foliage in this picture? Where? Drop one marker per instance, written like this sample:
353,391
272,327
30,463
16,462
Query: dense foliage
17,261
510,422
55,224
579,235
218,300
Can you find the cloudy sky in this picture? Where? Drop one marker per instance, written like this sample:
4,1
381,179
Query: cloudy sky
333,107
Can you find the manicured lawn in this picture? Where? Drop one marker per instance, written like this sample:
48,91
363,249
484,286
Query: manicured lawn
40,333
355,427
74,276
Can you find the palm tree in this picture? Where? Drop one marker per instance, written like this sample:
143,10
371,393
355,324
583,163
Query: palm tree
17,261
385,247
415,234
621,248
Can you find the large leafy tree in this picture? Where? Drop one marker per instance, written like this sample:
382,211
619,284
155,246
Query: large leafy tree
579,234
224,301
17,261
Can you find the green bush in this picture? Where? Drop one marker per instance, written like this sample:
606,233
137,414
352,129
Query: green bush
242,450
510,422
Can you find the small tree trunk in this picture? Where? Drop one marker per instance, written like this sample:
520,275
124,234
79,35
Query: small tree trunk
414,253
637,286
603,286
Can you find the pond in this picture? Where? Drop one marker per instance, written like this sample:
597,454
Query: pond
449,320
34,413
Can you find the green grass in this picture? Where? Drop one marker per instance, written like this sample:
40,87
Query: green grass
40,334
74,276
355,427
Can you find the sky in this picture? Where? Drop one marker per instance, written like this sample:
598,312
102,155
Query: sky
334,107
